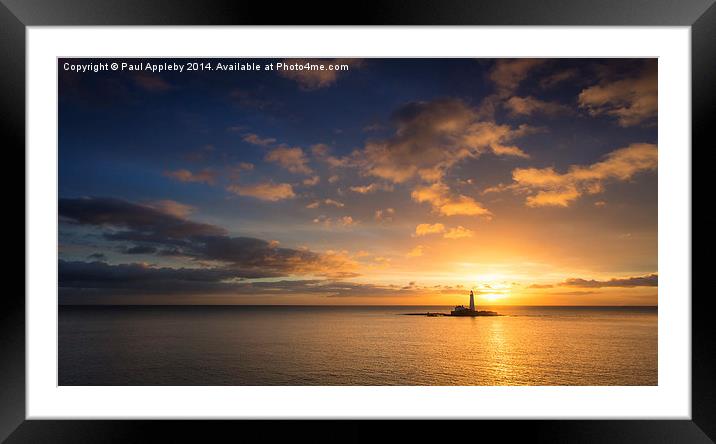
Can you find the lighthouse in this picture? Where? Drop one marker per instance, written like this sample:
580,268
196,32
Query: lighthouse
472,301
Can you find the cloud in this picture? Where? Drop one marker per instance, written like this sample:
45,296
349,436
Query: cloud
291,158
571,293
138,278
548,187
539,286
235,171
385,215
255,139
371,188
347,221
81,279
558,77
416,252
527,106
651,280
459,233
312,181
143,221
206,176
507,74
264,191
444,203
313,79
561,198
85,282
431,137
153,231
322,152
373,128
344,221
335,203
632,101
331,202
140,249
151,82
425,229
320,149
172,207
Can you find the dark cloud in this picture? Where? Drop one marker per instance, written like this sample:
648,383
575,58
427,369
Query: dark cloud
89,279
651,280
118,213
138,277
152,230
140,249
85,282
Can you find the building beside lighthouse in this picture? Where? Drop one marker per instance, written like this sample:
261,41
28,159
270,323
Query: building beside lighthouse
461,310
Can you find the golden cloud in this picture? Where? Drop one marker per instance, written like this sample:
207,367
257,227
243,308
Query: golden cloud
425,229
264,191
311,181
459,232
333,202
507,74
416,252
344,221
385,215
204,176
551,188
632,101
371,188
527,106
438,195
173,208
254,139
431,137
292,159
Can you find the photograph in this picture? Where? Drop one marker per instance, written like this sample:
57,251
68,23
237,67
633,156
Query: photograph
357,222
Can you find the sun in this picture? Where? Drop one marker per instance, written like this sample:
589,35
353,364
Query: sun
492,296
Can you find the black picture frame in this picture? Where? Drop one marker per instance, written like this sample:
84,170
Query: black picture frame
16,15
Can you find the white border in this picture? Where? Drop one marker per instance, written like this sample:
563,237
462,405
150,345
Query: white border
670,399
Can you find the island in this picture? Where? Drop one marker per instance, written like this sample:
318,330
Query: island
460,310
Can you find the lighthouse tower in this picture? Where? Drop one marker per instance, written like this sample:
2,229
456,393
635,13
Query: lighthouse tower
472,301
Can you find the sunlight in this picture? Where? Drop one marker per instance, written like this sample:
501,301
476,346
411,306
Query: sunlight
492,296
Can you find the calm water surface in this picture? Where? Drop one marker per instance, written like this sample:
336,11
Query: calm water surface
230,345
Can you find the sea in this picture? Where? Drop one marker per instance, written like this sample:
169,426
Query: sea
355,345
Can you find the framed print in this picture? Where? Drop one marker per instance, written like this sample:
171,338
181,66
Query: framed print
231,219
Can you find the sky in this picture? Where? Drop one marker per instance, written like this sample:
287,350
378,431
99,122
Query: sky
387,182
